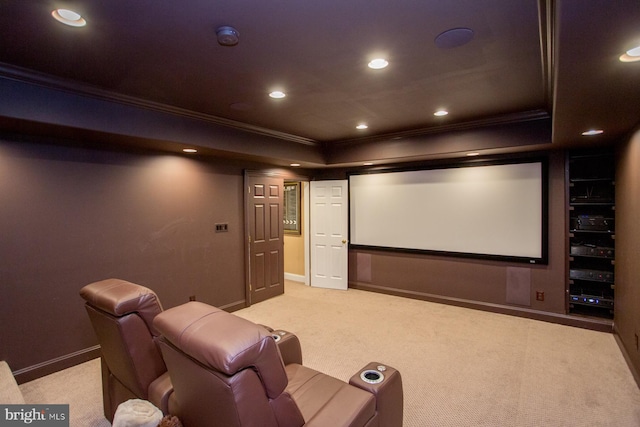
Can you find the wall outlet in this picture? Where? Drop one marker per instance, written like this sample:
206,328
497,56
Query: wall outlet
221,228
539,296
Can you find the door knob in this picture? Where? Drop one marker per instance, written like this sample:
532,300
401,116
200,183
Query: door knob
344,241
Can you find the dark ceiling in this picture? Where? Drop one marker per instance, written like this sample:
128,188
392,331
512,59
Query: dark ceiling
527,60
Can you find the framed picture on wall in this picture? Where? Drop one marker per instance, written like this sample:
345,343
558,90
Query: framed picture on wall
291,207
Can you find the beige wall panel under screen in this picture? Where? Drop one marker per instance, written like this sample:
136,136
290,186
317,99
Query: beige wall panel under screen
519,286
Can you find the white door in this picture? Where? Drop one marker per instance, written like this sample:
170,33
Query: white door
329,246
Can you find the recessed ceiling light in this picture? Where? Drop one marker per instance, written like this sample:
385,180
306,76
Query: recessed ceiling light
634,52
362,126
592,132
277,94
378,64
295,165
441,113
632,55
189,150
473,154
69,17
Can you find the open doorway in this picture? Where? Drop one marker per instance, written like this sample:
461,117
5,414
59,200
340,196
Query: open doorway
296,236
316,234
273,256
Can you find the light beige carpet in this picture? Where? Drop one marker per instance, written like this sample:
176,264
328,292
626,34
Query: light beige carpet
10,393
79,387
460,367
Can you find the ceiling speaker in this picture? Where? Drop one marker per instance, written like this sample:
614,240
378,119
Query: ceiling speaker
454,38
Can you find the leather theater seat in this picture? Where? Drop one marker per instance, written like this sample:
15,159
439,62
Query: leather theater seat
122,316
228,371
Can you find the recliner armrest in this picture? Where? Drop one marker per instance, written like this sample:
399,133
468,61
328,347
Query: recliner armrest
160,390
327,401
387,389
289,346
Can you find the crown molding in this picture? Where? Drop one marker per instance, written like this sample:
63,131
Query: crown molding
28,76
501,120
25,75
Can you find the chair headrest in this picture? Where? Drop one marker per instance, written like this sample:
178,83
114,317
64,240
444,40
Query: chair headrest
224,342
119,298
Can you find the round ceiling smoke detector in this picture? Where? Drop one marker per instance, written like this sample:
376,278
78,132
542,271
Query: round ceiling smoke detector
227,36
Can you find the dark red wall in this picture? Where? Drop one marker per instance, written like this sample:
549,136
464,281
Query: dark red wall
70,216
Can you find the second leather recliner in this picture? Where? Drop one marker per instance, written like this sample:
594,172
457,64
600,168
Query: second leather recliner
227,371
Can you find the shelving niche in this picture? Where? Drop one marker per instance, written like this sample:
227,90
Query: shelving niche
591,281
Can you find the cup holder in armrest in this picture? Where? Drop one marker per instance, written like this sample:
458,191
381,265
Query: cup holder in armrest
371,377
277,335
385,383
289,346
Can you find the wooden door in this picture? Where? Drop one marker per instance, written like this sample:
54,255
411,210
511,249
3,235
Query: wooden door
265,236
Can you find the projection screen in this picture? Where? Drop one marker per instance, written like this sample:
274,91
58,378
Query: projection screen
484,211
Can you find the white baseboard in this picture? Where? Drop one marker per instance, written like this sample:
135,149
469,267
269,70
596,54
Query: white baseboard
294,277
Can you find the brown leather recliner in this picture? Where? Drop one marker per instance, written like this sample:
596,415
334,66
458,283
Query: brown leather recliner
227,371
122,316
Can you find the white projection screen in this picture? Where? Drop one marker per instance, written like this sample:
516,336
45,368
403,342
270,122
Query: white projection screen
484,211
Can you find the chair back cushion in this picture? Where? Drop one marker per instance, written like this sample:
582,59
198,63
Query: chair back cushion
208,397
119,298
121,314
224,342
